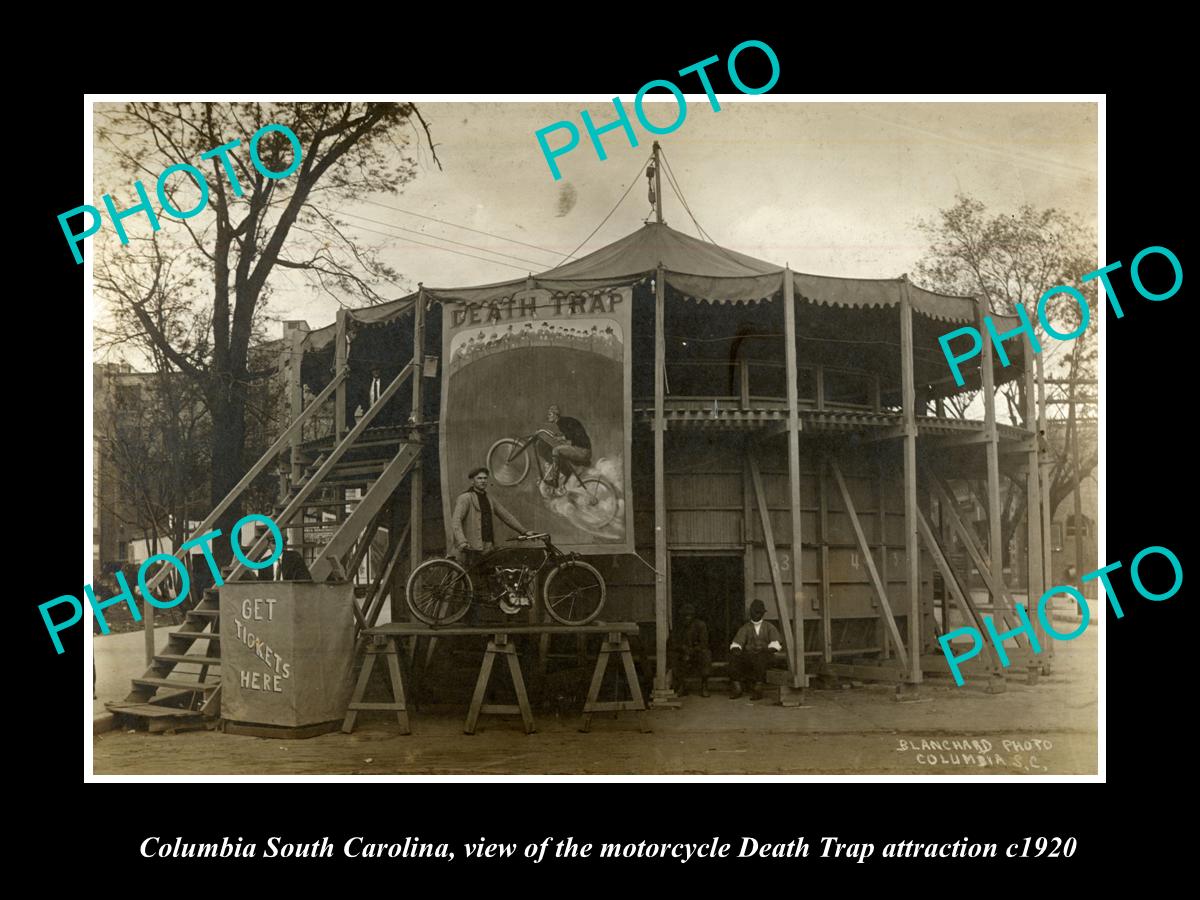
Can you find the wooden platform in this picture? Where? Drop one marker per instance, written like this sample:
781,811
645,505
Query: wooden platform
384,640
407,629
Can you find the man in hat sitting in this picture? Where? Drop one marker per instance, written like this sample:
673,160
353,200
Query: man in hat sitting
689,652
750,652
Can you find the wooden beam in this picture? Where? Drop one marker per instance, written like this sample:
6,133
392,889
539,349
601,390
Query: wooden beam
1044,467
363,545
863,673
793,439
236,491
872,572
965,604
826,592
962,440
890,433
661,611
296,404
772,560
1033,495
911,547
885,644
330,461
339,363
368,507
991,448
417,479
747,525
995,583
373,602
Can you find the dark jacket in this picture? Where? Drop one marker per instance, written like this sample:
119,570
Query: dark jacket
573,431
748,640
466,522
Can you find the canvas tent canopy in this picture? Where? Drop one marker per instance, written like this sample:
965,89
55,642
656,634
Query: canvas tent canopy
830,310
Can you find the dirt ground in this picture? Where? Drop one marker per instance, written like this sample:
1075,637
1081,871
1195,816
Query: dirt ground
1048,728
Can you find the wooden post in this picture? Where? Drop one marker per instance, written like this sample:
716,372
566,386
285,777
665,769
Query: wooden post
1076,497
340,413
992,449
748,583
781,600
799,679
339,363
1044,466
416,546
908,397
1033,496
657,189
296,407
148,631
398,529
826,590
865,549
883,548
661,611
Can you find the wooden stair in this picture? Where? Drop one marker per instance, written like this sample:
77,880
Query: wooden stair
166,698
377,459
164,703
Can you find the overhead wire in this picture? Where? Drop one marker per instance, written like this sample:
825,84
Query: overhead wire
409,212
538,263
446,249
632,182
679,193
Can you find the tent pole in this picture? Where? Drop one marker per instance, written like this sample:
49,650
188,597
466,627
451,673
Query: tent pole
911,547
992,449
661,600
799,679
657,188
1033,495
416,548
339,363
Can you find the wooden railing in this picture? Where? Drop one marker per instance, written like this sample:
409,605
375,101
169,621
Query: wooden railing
746,382
254,471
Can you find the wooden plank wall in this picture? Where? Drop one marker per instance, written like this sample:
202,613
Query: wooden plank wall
705,502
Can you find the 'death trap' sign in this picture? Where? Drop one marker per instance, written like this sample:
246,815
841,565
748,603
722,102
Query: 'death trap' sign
537,388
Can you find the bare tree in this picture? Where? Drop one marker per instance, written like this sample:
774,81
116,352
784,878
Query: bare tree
1011,259
253,227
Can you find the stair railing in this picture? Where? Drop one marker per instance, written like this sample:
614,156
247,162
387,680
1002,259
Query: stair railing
307,488
255,470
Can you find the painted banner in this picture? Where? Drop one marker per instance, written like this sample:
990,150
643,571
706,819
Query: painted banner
537,388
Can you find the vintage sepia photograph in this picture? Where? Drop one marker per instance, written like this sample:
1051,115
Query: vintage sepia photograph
748,447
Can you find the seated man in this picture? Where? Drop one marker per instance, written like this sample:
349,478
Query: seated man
750,652
688,650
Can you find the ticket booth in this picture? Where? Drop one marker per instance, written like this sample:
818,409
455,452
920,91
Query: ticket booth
287,650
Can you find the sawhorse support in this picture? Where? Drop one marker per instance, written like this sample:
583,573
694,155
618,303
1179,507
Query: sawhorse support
379,645
616,643
500,645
